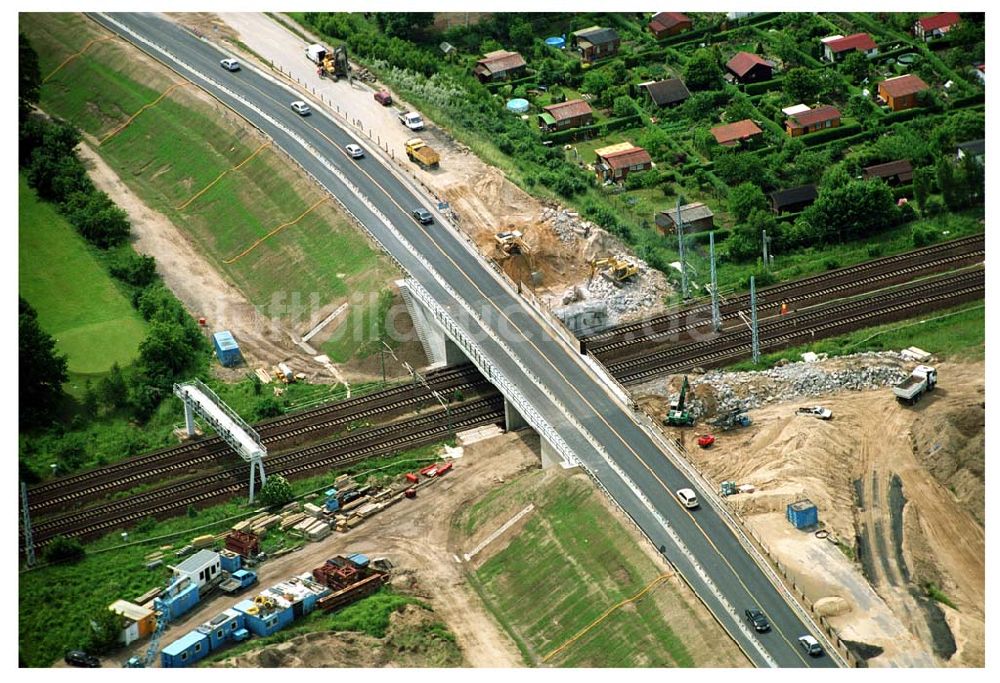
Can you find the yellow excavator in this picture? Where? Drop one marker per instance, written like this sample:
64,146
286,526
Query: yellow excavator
511,242
619,271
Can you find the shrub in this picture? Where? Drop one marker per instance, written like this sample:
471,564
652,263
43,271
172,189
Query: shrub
277,491
62,549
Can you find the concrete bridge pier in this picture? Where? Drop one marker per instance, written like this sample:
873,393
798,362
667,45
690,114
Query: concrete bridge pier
439,349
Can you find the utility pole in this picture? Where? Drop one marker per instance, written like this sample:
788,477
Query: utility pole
29,543
753,322
716,316
767,243
680,250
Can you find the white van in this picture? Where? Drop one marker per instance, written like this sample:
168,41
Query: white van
687,497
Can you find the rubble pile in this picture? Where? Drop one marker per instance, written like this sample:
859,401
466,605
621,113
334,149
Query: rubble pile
566,224
748,390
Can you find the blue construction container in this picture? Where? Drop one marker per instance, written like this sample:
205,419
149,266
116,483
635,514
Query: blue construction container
230,561
177,604
802,514
358,559
222,628
264,624
226,348
332,504
185,651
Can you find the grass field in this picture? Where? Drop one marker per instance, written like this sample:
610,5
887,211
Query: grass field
574,553
77,301
185,142
62,597
956,334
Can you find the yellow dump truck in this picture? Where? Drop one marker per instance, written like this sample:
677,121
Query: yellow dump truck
419,152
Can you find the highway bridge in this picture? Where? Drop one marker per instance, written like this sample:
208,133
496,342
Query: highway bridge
579,412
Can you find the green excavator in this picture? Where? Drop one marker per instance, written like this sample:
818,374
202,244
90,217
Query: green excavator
678,416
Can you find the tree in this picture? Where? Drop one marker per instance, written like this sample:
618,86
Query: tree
624,106
112,391
106,630
596,82
923,182
852,210
165,353
97,218
702,71
41,371
973,179
856,65
29,77
744,199
61,549
135,269
403,24
739,108
277,491
735,168
951,187
802,84
266,407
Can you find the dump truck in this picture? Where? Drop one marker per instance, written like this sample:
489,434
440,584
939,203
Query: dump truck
421,153
238,581
921,380
411,120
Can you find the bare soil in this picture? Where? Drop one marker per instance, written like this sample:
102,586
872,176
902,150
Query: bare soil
902,487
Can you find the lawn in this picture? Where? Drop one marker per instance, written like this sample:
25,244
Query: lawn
578,556
62,597
77,301
268,229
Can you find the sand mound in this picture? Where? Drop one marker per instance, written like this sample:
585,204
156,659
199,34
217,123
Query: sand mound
832,607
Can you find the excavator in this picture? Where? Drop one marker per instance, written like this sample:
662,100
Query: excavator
334,64
678,416
511,242
619,271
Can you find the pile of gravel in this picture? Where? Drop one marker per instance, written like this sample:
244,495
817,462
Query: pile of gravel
566,224
748,390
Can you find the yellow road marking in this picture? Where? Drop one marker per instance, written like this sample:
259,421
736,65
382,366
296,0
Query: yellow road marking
222,175
75,55
142,109
274,232
607,613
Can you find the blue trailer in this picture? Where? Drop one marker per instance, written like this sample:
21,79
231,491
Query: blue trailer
185,651
176,601
226,348
802,514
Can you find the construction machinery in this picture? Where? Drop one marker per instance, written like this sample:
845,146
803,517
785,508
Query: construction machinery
421,153
617,270
679,416
732,419
330,63
922,380
815,411
511,243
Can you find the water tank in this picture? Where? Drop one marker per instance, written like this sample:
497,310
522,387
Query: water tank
802,514
556,41
518,105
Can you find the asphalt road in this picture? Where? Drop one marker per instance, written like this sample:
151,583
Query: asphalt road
720,560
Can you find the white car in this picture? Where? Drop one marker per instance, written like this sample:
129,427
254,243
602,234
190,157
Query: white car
301,108
811,646
816,411
230,64
354,151
688,498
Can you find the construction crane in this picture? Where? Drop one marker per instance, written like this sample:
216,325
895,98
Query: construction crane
678,416
162,620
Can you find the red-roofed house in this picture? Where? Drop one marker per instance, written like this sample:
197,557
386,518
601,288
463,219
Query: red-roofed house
747,67
733,134
901,92
565,115
615,164
665,24
499,65
935,26
810,121
837,47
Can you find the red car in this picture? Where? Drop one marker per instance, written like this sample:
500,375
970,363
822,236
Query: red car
383,97
706,440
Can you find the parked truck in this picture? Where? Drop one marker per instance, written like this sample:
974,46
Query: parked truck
921,380
411,120
421,153
238,580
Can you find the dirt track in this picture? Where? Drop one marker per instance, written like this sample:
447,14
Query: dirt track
868,479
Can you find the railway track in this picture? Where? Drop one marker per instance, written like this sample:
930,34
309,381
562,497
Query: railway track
816,323
282,432
776,332
365,443
687,324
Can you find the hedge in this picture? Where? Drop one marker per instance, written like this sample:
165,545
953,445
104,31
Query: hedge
978,98
830,134
904,115
701,237
762,87
584,131
496,85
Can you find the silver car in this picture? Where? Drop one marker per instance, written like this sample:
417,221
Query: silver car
230,64
810,645
354,151
301,108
